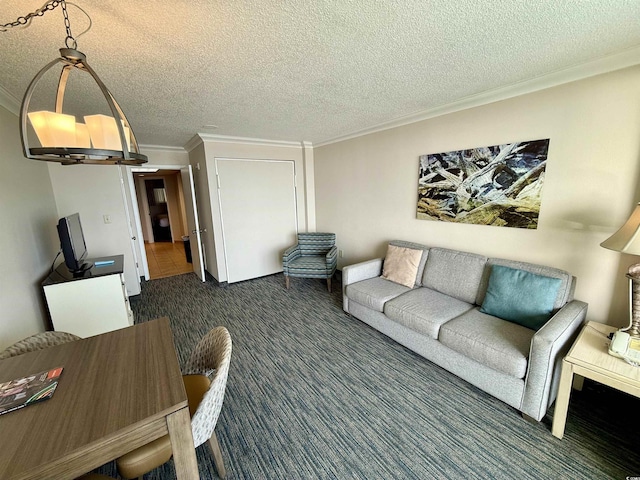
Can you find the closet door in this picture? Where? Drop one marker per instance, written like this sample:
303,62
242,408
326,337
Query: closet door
258,213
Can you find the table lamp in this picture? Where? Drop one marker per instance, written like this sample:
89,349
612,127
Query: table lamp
627,240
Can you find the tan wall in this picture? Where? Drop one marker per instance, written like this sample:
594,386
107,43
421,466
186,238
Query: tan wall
366,188
28,236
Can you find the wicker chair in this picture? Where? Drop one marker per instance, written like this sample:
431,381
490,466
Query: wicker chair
314,256
211,356
37,342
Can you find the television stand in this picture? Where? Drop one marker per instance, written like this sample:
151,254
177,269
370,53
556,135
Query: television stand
89,302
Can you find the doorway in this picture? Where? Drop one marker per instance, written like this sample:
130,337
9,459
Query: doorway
161,205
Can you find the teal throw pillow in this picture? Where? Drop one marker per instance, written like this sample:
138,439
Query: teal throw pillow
520,297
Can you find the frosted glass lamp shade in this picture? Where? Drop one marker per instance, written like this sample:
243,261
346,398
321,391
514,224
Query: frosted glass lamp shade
83,139
54,129
104,132
627,239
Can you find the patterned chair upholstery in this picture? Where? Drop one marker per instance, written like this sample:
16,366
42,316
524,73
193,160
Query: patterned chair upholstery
314,256
37,342
205,380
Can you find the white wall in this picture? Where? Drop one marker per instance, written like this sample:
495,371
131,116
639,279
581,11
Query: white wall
94,191
366,188
202,157
162,156
28,237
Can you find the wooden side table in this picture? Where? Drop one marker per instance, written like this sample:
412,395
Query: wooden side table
589,358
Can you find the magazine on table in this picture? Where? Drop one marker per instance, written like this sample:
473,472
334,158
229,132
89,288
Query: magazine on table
24,391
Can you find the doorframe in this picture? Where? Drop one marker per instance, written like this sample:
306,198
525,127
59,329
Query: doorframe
136,208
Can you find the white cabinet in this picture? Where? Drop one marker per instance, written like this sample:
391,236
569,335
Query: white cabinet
92,303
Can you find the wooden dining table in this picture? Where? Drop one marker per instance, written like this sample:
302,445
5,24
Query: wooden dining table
118,391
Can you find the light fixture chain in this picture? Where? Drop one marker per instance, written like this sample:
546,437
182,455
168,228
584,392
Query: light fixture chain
67,25
25,20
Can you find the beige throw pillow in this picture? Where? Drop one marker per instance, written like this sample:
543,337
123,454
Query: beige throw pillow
401,265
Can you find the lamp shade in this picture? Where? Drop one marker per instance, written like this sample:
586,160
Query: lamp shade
627,239
54,129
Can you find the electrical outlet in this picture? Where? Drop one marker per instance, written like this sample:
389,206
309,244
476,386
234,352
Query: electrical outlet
340,253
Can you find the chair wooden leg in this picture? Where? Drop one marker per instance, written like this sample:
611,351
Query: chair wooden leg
286,281
217,455
329,284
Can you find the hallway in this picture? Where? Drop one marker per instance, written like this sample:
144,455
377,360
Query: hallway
166,259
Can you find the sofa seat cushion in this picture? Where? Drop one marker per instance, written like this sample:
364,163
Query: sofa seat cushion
374,292
424,310
491,341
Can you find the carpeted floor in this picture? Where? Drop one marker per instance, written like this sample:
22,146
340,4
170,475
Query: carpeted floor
315,394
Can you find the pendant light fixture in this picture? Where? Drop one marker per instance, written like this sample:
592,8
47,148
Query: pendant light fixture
97,139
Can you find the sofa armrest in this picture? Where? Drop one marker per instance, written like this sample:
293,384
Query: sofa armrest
356,273
549,346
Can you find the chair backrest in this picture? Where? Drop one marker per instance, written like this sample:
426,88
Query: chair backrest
213,353
38,342
316,243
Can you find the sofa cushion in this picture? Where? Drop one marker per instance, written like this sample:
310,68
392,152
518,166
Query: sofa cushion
491,341
520,296
374,292
424,310
454,273
423,259
401,265
565,292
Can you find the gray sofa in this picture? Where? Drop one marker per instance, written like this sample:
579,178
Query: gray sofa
440,319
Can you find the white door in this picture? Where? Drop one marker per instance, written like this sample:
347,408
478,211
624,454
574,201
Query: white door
130,212
258,214
193,224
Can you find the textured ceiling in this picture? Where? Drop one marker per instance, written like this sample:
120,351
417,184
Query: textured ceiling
311,70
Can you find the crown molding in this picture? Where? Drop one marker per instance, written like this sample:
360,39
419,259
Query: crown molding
207,137
627,58
162,148
8,101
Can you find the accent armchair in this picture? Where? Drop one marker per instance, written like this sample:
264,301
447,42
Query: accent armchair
314,256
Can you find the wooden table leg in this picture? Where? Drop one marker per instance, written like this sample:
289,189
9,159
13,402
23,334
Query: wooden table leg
184,453
562,400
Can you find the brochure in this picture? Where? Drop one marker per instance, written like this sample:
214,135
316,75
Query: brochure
24,391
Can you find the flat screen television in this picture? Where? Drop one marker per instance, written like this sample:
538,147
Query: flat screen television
72,243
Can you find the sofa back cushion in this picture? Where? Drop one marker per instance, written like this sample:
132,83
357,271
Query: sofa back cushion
423,259
454,273
565,290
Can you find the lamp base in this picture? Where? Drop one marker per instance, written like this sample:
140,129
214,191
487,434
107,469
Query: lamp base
633,274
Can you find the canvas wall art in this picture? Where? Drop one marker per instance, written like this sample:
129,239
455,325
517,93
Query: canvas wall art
499,185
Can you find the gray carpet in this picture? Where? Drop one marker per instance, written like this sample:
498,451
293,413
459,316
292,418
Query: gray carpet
315,394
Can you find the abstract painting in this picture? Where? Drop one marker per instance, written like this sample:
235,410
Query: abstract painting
499,185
